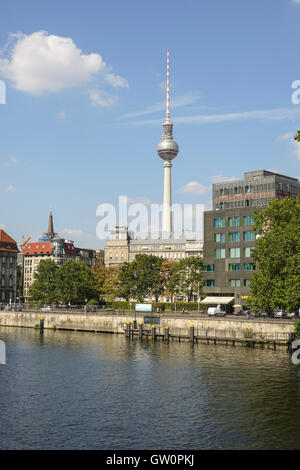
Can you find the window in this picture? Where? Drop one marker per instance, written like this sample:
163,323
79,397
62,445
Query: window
220,222
248,220
234,267
246,282
220,237
234,252
247,251
234,237
249,267
234,221
208,267
209,282
249,236
220,253
234,283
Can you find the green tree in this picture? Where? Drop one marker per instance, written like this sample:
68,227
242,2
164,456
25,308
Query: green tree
276,281
101,274
141,277
186,279
44,286
75,283
111,287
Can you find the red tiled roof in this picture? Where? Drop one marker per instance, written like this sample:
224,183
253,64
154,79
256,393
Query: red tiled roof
7,243
40,248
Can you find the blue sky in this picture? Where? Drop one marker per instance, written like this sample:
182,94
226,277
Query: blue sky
85,103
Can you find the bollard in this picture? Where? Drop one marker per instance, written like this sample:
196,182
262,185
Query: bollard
42,325
167,333
128,327
191,333
153,330
140,329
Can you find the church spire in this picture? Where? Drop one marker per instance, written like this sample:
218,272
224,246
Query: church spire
50,232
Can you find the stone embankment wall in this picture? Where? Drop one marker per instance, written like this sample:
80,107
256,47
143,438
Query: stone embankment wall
226,327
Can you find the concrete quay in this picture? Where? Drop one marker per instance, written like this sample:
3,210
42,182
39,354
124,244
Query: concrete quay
239,329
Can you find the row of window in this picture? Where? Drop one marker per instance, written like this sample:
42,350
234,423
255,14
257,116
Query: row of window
231,282
208,268
220,222
220,253
234,237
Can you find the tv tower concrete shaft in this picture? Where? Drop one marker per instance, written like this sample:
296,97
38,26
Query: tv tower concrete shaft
167,213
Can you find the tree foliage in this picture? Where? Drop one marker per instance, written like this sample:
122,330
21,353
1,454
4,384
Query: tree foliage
186,279
75,283
141,277
276,282
44,287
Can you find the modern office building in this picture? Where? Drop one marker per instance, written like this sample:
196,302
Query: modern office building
228,232
8,268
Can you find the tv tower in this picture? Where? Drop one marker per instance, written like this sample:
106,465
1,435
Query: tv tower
167,149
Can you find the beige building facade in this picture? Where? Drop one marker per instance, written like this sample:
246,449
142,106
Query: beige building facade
122,248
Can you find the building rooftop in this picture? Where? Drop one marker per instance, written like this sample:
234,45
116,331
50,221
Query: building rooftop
7,243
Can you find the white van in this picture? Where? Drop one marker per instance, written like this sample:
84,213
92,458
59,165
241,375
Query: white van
215,312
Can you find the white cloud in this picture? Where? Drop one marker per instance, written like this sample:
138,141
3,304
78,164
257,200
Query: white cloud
61,115
10,189
78,235
116,81
102,98
222,178
177,101
12,161
140,200
289,137
42,62
193,187
284,137
296,2
279,114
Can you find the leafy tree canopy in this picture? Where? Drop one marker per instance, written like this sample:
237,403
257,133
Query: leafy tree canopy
276,282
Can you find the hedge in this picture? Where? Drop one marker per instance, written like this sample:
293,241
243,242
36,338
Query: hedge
164,306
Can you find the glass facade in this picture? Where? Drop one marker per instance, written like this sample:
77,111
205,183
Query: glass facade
220,237
249,236
234,221
219,222
234,237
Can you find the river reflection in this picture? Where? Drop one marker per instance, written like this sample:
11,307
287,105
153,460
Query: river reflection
68,390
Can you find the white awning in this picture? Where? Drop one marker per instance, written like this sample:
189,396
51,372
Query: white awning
217,300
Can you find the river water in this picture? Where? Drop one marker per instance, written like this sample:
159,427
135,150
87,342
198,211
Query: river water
68,390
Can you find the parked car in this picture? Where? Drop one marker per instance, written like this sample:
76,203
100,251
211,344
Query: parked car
263,314
280,314
215,312
46,308
291,315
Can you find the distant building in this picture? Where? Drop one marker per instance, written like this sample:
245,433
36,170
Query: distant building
122,247
228,232
51,246
8,268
